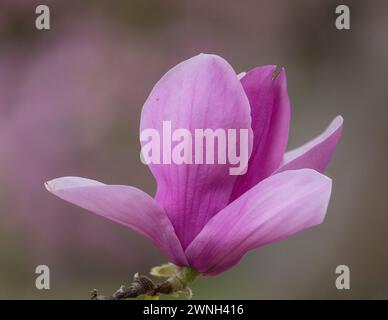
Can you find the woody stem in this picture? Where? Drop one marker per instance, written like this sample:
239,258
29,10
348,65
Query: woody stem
142,285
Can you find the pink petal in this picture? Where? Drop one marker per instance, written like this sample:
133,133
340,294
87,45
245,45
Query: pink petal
270,106
199,93
277,207
317,153
126,205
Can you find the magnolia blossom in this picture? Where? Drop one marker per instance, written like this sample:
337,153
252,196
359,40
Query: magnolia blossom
201,216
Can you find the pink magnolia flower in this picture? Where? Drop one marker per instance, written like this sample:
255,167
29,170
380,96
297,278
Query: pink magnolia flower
202,216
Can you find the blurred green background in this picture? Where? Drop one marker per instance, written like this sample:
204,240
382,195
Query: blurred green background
70,102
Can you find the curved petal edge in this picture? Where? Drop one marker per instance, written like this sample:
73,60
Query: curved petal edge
317,153
126,205
277,207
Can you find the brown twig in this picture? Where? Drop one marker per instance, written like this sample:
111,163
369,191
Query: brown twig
143,285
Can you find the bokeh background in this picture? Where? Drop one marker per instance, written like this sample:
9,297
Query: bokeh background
70,102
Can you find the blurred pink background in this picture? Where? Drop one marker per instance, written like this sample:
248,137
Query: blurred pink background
70,102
